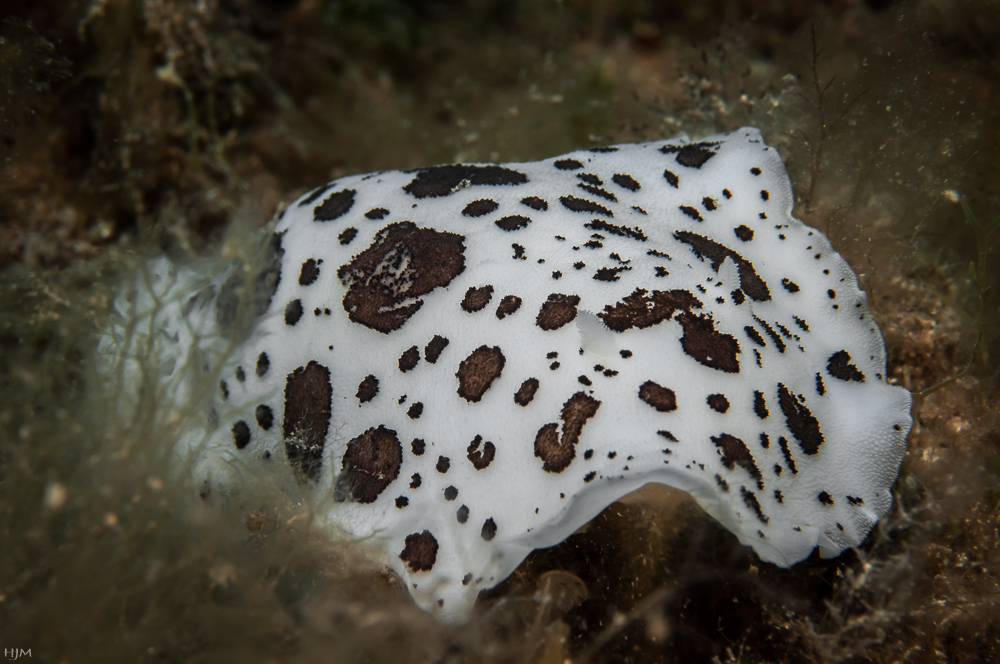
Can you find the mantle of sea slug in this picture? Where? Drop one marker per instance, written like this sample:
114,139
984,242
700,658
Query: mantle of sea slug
468,362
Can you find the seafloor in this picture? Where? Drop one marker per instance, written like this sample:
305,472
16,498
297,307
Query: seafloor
136,127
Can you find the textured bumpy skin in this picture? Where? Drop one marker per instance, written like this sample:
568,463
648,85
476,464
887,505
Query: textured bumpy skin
468,362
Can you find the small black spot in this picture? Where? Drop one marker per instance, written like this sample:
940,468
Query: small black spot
264,416
718,402
744,232
728,194
764,195
625,353
625,181
347,235
583,380
437,181
376,213
765,442
589,477
224,387
825,498
415,481
443,464
671,178
738,296
709,203
589,178
691,212
597,191
402,502
800,421
755,170
240,375
820,387
750,500
621,231
433,349
831,294
309,272
241,434
518,252
463,515
263,364
512,222
489,529
415,411
557,275
535,203
367,389
450,493
759,404
508,305
839,366
693,155
790,285
789,461
409,359
293,312
583,205
480,207
476,299
417,446
610,273
336,205
567,165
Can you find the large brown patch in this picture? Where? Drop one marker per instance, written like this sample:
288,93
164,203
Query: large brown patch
750,281
420,551
643,309
403,262
556,311
371,463
477,372
558,452
307,418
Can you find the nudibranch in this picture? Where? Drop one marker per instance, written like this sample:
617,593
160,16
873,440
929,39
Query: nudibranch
467,362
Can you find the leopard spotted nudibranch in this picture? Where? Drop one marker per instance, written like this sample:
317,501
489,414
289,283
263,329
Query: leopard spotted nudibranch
466,362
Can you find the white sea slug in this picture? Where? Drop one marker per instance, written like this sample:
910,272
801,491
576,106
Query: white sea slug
466,362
